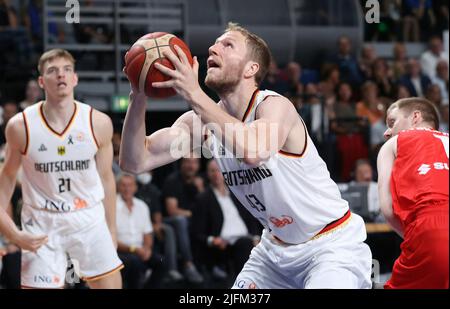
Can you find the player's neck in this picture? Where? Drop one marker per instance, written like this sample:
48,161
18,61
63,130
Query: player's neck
236,102
58,111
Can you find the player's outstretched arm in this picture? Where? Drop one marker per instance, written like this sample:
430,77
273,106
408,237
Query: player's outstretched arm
16,143
138,152
385,163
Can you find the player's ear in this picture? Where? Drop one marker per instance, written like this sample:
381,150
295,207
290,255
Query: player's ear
40,82
416,117
75,76
251,69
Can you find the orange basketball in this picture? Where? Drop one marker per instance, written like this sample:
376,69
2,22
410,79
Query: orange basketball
142,56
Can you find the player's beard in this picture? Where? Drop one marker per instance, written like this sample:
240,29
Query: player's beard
225,80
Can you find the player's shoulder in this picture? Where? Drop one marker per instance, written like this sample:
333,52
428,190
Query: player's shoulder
390,145
16,130
100,119
272,101
16,123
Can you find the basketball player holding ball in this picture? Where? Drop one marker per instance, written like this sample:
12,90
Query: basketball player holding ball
68,187
311,239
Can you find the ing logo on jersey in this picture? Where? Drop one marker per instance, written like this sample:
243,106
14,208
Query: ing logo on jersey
61,150
282,221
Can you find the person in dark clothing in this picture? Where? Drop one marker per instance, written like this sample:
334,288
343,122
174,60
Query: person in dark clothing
224,230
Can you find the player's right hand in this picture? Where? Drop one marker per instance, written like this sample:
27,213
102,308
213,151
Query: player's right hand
134,91
29,241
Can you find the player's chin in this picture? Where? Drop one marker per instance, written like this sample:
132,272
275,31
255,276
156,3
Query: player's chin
211,80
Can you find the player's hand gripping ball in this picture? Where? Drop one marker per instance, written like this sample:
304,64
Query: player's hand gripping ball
141,58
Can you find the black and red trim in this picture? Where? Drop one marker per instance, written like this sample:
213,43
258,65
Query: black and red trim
41,111
27,134
335,223
295,155
91,125
250,105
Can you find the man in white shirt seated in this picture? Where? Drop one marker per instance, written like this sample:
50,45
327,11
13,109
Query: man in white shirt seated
432,56
135,239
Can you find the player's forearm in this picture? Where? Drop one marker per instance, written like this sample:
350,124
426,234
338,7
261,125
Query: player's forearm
110,203
388,213
7,226
132,148
238,136
7,183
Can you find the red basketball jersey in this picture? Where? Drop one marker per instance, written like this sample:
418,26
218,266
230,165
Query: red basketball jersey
420,172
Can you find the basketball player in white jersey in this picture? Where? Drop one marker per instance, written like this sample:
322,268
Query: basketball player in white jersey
68,188
310,240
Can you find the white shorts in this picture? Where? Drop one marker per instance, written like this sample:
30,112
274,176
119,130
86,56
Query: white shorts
339,259
82,235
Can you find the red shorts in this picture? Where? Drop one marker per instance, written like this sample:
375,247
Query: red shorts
423,263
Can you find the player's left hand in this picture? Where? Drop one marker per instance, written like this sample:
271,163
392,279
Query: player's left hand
184,76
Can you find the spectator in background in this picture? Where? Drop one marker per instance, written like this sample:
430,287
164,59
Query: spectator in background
347,63
10,108
400,60
164,234
8,16
33,22
443,124
364,175
401,92
434,95
331,77
417,14
293,78
14,42
116,139
349,130
431,57
273,80
33,94
416,82
440,8
381,75
373,109
368,56
315,117
224,230
441,79
135,238
179,193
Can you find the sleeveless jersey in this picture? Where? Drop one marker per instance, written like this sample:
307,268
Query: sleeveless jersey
420,173
59,168
292,195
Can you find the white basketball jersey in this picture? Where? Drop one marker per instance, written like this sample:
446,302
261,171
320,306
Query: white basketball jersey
292,195
59,168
